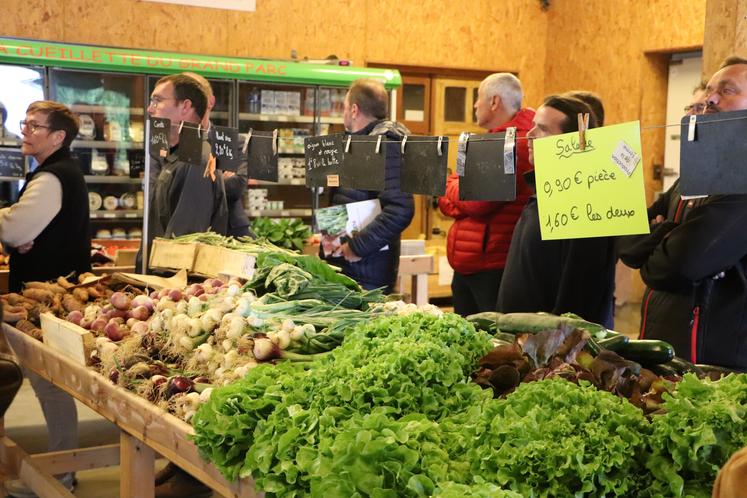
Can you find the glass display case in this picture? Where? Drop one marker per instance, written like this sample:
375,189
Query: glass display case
109,90
109,145
21,86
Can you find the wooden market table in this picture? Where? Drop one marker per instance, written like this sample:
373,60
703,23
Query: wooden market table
146,430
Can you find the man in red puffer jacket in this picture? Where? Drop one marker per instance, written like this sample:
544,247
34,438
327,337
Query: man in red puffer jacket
481,234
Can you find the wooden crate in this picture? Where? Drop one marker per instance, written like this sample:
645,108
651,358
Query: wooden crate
214,261
169,255
69,339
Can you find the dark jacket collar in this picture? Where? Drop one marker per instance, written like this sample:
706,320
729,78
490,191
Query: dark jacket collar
366,130
58,155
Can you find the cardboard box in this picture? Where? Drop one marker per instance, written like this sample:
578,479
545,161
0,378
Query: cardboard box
214,261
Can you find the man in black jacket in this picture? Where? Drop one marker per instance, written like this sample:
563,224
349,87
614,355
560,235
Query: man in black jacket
665,315
182,199
557,276
707,251
49,232
371,257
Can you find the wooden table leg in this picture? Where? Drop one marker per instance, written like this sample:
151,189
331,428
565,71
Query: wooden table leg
138,463
420,289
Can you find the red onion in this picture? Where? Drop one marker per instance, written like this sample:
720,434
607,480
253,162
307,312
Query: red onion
75,316
140,328
114,331
175,294
142,300
139,313
98,324
120,300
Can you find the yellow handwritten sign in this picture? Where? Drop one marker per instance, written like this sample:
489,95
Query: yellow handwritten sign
594,192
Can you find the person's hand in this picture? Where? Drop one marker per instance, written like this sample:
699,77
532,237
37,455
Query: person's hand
24,248
228,174
330,245
659,219
349,255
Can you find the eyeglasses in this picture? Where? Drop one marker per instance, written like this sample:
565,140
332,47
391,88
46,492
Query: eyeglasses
32,126
156,100
698,108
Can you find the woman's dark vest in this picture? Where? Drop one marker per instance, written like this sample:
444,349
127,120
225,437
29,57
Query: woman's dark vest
64,246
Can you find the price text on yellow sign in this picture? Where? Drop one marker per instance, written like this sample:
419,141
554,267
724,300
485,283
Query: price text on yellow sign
589,193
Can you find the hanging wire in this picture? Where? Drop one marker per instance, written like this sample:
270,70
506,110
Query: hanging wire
413,139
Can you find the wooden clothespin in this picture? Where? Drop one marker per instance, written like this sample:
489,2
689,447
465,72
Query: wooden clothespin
246,143
439,144
404,141
210,168
275,142
583,125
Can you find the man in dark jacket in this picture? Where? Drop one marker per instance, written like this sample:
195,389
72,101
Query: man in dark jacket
182,199
557,276
235,182
665,315
371,257
481,233
707,251
49,232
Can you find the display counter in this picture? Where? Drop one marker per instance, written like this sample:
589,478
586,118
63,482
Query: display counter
145,431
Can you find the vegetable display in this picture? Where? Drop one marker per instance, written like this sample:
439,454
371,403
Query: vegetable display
289,233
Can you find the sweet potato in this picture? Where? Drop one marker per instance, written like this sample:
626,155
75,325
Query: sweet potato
29,328
40,295
71,303
57,289
64,283
85,276
81,294
12,314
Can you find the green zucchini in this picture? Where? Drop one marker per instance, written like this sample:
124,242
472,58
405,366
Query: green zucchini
613,342
505,337
486,320
647,352
683,366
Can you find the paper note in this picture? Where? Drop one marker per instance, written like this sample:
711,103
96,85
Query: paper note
625,157
582,193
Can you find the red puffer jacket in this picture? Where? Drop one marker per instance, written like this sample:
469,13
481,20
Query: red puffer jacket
481,233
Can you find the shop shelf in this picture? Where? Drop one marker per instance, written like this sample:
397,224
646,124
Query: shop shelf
245,116
112,179
103,109
119,214
101,144
279,213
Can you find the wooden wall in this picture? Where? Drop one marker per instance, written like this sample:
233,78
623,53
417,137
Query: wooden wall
475,35
619,49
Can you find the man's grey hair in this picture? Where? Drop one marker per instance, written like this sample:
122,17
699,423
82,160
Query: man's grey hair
507,87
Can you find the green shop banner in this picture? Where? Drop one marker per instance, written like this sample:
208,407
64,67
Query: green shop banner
27,52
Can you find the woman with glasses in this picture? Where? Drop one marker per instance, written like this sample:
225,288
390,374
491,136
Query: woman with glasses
47,233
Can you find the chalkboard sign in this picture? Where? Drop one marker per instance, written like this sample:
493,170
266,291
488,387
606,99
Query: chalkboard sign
323,157
715,162
262,157
423,170
225,146
484,176
12,163
363,167
160,128
137,163
190,144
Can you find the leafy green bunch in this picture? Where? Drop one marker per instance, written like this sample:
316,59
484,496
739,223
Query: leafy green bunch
289,233
553,438
704,423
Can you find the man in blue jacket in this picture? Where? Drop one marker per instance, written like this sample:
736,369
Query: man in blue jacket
371,257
